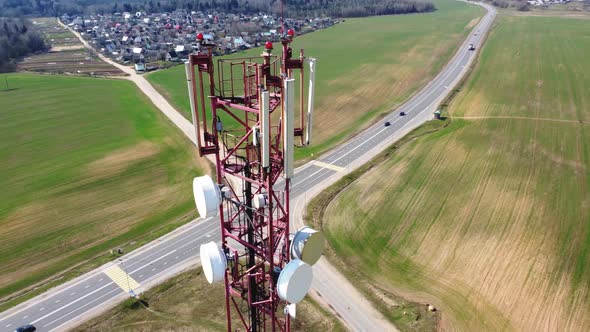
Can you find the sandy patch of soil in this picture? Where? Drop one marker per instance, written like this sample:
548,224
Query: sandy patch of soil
118,161
67,48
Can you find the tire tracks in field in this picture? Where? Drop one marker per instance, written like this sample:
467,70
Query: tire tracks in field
424,186
523,240
419,191
390,184
445,198
500,117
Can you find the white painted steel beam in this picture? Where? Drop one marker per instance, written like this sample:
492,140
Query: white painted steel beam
310,97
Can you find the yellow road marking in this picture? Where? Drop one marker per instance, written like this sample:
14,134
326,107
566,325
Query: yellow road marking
121,278
328,166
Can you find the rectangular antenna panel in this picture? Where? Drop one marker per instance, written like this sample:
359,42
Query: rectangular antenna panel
265,127
288,126
191,94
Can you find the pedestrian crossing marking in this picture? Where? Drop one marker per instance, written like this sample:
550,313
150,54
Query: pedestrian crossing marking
328,166
121,278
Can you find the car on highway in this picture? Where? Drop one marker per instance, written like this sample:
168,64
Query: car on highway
26,328
387,124
471,47
402,113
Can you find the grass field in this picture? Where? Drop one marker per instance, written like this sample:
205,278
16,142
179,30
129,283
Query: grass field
489,218
366,66
87,165
188,303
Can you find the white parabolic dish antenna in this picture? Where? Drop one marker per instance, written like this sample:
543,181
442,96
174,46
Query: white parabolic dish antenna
307,245
294,281
213,262
207,196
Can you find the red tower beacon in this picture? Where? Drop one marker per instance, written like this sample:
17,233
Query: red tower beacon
268,46
243,113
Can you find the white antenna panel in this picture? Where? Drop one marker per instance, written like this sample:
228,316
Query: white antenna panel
187,68
294,281
307,245
207,196
213,262
288,126
310,97
265,128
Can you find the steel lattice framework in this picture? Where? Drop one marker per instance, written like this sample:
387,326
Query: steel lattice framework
254,164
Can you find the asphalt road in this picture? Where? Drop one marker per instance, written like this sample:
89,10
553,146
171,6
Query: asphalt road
91,294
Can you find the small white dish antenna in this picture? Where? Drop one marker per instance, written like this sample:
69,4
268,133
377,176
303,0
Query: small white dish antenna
213,262
291,310
207,196
226,193
260,201
307,245
294,281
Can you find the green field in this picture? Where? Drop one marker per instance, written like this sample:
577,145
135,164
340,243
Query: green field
87,165
366,66
488,218
188,303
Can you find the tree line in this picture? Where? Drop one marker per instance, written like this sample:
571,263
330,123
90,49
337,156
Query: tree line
349,8
289,8
520,5
17,38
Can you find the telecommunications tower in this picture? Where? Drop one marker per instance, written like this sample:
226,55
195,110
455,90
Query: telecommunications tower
251,128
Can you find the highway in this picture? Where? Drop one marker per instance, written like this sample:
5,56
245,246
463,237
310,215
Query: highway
89,295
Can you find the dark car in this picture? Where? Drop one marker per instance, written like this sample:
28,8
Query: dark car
387,124
26,328
402,113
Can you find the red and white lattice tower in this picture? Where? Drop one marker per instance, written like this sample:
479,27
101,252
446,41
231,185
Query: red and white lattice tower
265,270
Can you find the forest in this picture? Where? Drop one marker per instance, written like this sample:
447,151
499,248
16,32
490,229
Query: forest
18,37
288,8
